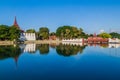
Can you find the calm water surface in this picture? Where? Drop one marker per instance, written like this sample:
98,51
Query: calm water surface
59,62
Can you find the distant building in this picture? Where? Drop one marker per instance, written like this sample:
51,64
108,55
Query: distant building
23,35
96,39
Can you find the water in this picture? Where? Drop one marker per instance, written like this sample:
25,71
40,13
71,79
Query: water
59,62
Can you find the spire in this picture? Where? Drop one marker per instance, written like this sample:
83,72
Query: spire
16,60
15,23
95,35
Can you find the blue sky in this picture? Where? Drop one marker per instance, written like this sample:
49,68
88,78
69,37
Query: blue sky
91,15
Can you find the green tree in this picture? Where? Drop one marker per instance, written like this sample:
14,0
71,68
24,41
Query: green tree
30,31
64,32
115,35
60,33
52,33
105,35
4,32
68,32
74,32
43,33
14,33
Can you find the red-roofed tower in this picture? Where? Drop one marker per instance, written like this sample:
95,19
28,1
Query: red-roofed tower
15,23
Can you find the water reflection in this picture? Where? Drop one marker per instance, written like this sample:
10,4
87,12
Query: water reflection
10,52
95,62
43,48
53,45
31,48
114,45
64,49
68,50
100,45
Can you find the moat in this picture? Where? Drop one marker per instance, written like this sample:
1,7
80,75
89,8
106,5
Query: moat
59,62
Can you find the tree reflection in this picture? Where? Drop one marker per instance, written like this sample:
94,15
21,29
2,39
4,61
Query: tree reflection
9,51
82,48
68,50
104,45
43,48
53,45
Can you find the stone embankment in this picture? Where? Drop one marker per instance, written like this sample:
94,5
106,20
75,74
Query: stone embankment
6,42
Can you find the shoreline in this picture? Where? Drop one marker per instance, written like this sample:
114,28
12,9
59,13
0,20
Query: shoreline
28,42
6,43
40,42
43,42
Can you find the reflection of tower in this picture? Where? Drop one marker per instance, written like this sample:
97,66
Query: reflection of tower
16,60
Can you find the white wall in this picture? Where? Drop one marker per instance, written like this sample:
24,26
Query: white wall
29,36
30,48
72,40
114,40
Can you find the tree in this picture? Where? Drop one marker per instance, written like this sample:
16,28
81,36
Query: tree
52,34
75,32
30,31
80,30
9,32
59,32
115,35
68,32
64,32
43,33
105,35
14,33
4,32
90,35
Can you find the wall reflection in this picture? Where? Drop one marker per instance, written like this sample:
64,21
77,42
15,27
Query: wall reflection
114,45
100,45
64,49
31,48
